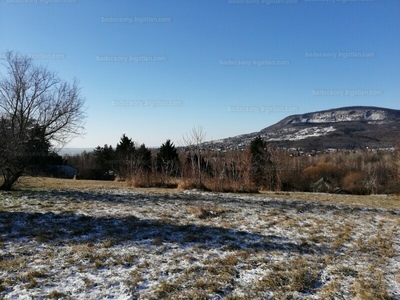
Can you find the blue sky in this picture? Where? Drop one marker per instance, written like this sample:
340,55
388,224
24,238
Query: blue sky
154,69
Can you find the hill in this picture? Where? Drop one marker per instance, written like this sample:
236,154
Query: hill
354,127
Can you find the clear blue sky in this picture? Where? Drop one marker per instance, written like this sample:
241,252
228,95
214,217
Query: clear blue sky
218,62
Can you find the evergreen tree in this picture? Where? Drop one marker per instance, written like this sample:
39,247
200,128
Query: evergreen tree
125,147
143,158
167,161
262,167
28,153
125,154
104,158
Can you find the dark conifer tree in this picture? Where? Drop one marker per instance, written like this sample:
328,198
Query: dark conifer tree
104,158
125,154
167,161
143,158
262,167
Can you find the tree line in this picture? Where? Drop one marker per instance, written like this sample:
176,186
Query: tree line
260,166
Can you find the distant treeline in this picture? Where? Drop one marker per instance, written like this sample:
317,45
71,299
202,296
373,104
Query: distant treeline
258,167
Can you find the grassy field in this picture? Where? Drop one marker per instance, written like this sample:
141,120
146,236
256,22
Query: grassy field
69,239
372,201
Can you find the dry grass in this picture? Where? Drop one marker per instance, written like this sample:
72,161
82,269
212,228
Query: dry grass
373,201
299,275
27,182
207,212
69,239
229,186
186,184
58,295
370,286
47,183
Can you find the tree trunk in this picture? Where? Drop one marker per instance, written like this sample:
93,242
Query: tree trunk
200,185
9,180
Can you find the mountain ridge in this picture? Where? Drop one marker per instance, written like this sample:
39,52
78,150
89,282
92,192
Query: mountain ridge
351,127
369,113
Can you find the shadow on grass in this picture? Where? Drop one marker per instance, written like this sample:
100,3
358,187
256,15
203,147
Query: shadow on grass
135,198
61,229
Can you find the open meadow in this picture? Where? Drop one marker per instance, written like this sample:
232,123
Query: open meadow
76,239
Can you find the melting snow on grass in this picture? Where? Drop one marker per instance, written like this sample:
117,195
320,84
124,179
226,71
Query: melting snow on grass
122,244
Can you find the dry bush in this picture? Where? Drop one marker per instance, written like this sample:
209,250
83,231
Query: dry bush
354,183
394,182
186,184
206,212
226,185
231,171
220,185
141,181
152,180
324,169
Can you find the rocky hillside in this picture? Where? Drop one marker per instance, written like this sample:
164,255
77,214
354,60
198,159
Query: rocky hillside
342,128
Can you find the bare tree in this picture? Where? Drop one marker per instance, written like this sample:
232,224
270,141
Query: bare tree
36,106
396,166
193,141
167,161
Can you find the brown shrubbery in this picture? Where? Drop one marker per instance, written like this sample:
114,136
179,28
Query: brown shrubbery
262,167
354,183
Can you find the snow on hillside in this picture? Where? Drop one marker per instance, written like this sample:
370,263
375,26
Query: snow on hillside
121,244
292,134
343,115
363,126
